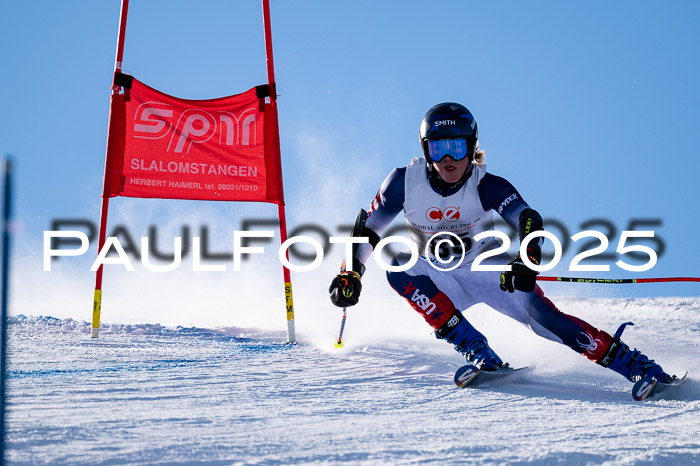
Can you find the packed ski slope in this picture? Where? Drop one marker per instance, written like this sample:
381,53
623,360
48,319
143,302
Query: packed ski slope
148,394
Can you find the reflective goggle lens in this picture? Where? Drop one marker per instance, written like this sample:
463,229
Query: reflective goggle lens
455,148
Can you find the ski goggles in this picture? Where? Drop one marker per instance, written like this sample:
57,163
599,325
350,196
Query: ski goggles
455,148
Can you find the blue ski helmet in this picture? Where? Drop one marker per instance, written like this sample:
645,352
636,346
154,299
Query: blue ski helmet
448,120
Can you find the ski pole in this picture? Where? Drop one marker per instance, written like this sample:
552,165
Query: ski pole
615,281
339,343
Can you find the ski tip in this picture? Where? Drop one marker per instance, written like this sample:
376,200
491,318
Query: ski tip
466,374
647,388
643,388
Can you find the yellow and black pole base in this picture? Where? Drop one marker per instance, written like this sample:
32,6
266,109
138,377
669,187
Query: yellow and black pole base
96,308
289,302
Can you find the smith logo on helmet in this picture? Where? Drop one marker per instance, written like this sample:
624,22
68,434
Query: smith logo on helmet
445,122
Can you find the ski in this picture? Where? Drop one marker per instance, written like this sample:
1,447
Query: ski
472,376
645,388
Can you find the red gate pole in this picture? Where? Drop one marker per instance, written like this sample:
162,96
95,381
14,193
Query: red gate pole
289,302
97,300
618,281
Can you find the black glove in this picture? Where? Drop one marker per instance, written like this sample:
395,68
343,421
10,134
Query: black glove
345,289
521,277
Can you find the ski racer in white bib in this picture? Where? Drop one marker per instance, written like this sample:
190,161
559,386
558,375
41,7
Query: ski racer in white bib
451,193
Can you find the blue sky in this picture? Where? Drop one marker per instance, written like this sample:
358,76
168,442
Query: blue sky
589,109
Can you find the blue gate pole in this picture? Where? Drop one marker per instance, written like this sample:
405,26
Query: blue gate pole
6,178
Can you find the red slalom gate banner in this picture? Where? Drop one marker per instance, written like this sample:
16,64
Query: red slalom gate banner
223,149
226,149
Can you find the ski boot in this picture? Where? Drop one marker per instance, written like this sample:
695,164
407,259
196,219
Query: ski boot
470,343
633,365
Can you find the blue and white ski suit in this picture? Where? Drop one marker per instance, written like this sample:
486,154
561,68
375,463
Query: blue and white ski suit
466,210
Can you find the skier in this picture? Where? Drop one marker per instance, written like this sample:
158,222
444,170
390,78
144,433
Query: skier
450,191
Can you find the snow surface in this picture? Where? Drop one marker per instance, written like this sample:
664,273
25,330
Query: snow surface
150,394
